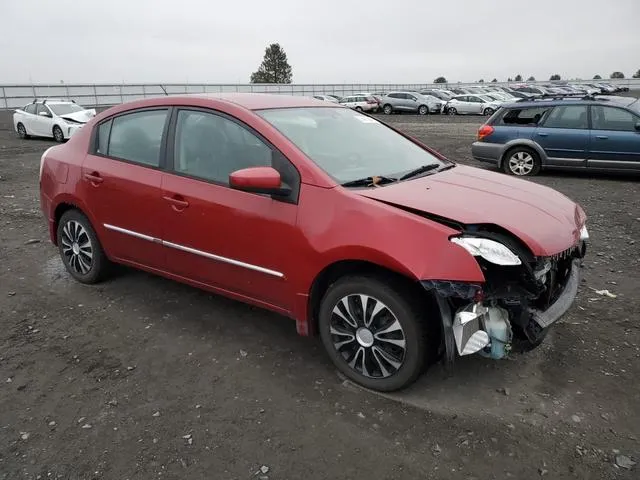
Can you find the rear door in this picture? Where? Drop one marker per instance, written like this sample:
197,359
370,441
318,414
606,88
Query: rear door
615,142
121,185
564,135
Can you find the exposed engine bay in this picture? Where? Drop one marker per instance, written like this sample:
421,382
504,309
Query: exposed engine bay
515,306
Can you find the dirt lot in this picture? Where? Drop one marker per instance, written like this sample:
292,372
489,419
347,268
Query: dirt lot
141,378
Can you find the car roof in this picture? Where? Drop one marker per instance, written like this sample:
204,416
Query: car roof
569,101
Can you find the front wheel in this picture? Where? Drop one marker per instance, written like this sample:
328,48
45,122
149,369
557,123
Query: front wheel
374,332
522,162
452,111
488,111
387,109
58,136
423,110
359,109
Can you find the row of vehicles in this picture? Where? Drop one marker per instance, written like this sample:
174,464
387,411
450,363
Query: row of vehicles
475,100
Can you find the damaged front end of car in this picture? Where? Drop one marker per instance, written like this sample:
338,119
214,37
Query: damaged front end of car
521,297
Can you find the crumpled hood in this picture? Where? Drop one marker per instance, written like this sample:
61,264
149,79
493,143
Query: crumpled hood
83,117
547,221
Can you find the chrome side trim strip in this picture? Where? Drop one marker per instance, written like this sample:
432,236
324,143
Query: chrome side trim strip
132,233
208,255
230,261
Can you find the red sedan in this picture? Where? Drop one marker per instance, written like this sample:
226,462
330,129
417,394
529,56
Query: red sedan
393,254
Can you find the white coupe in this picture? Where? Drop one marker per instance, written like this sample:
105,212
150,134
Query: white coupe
57,119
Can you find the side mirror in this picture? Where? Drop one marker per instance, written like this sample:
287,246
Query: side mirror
259,180
44,114
637,127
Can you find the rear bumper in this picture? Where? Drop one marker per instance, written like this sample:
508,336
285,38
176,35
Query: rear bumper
486,152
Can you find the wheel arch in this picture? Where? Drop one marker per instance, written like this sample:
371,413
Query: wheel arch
63,205
522,143
341,268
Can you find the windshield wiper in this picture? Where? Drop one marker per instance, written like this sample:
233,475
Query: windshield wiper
369,181
425,169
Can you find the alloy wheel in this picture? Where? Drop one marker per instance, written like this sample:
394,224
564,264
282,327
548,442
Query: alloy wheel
368,336
423,110
521,163
76,247
57,134
22,132
452,111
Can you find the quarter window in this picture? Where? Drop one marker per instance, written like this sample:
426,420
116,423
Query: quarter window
137,137
608,118
211,147
569,116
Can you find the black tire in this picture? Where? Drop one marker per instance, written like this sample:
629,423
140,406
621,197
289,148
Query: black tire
387,109
488,112
521,161
58,136
22,131
359,109
71,241
452,111
420,346
423,110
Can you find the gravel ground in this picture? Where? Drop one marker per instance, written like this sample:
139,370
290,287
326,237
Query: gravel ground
141,377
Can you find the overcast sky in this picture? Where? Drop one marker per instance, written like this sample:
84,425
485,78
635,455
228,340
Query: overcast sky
327,41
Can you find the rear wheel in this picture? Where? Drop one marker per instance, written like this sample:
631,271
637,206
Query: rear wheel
359,109
375,332
22,132
522,162
80,249
423,110
58,136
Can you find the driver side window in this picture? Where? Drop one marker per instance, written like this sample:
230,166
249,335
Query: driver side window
211,147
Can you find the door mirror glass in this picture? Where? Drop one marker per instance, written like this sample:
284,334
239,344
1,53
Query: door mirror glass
259,180
637,126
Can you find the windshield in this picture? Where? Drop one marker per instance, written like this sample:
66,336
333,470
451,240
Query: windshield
64,108
635,106
348,145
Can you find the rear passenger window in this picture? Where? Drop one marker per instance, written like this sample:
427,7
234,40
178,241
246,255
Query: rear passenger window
569,116
528,117
137,137
608,118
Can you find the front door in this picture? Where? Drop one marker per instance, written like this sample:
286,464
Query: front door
121,186
43,121
224,238
564,136
615,141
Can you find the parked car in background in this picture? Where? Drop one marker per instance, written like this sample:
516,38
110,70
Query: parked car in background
439,94
472,105
571,133
326,98
392,254
398,102
361,103
535,90
54,118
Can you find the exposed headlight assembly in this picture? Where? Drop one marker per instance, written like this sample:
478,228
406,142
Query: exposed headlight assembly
490,250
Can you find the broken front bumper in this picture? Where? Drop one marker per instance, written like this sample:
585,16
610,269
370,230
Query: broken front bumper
544,318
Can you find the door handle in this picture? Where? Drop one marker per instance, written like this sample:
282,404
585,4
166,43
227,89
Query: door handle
176,203
543,134
94,177
602,137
